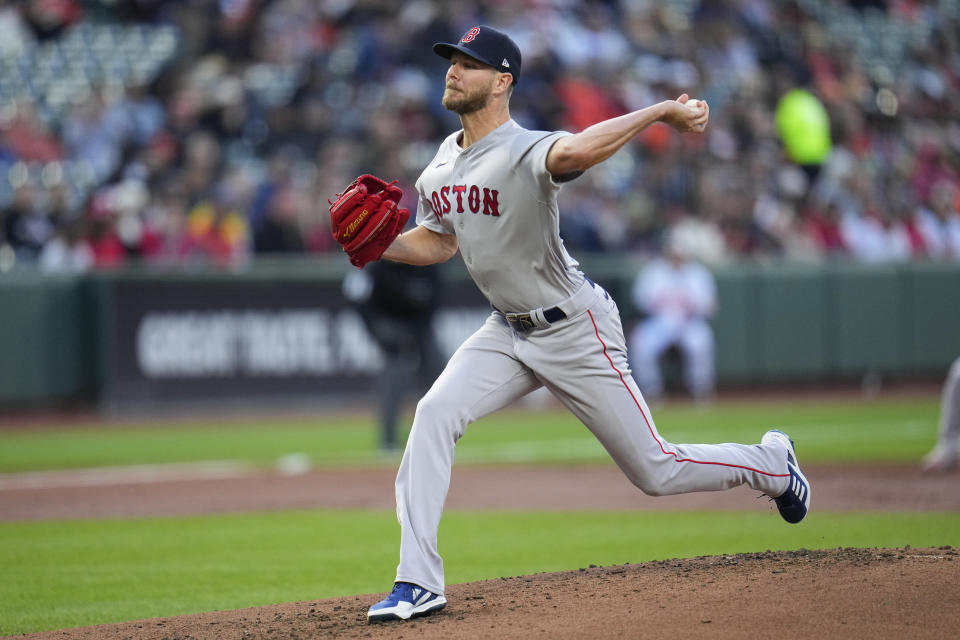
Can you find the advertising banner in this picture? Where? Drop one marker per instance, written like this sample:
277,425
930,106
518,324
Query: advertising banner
243,339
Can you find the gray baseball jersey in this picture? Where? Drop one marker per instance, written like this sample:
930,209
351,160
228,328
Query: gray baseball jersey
500,202
550,327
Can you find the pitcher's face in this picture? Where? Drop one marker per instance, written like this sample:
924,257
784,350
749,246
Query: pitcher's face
469,84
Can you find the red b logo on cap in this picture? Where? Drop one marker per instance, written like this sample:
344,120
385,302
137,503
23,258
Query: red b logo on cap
470,35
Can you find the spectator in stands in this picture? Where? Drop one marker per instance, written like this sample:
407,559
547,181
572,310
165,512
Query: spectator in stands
26,225
94,136
179,95
939,221
280,232
166,217
217,232
823,227
28,137
67,252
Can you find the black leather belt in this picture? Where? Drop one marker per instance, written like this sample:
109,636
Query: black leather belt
523,321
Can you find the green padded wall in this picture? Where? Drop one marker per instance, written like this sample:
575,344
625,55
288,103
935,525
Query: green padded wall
776,323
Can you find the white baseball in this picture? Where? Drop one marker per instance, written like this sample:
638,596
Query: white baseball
693,103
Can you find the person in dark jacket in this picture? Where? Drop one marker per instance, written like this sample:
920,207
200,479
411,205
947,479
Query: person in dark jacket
398,303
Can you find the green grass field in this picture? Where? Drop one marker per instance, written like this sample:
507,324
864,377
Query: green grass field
831,430
71,573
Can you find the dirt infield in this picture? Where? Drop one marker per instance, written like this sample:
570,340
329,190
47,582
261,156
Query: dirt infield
845,593
199,490
849,593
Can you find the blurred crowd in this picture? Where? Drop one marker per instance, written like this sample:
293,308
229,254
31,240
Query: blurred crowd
210,132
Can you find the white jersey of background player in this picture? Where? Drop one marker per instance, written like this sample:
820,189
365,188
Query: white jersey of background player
491,192
946,454
678,295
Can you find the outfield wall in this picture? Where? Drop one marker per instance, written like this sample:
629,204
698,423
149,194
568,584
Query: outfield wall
283,330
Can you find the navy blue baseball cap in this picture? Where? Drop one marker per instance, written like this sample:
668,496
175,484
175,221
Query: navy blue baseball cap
488,45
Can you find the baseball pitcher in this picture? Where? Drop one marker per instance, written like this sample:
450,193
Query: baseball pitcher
491,194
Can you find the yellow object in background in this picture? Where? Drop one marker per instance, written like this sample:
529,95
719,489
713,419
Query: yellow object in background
804,127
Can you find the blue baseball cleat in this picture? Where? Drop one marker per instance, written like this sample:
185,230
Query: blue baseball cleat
406,601
795,501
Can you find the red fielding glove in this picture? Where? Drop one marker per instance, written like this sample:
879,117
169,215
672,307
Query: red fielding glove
365,219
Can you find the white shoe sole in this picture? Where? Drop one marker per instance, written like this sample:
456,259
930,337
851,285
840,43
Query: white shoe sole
800,485
780,437
406,610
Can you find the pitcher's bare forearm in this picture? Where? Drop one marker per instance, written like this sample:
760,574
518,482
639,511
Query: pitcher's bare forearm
598,142
421,246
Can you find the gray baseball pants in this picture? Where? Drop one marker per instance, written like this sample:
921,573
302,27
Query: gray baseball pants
582,360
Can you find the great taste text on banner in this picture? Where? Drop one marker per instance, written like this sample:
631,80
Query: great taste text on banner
226,339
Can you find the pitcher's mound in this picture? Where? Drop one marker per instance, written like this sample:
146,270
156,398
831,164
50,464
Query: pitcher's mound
843,593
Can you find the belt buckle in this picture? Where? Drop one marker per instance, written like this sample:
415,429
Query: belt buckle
521,321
